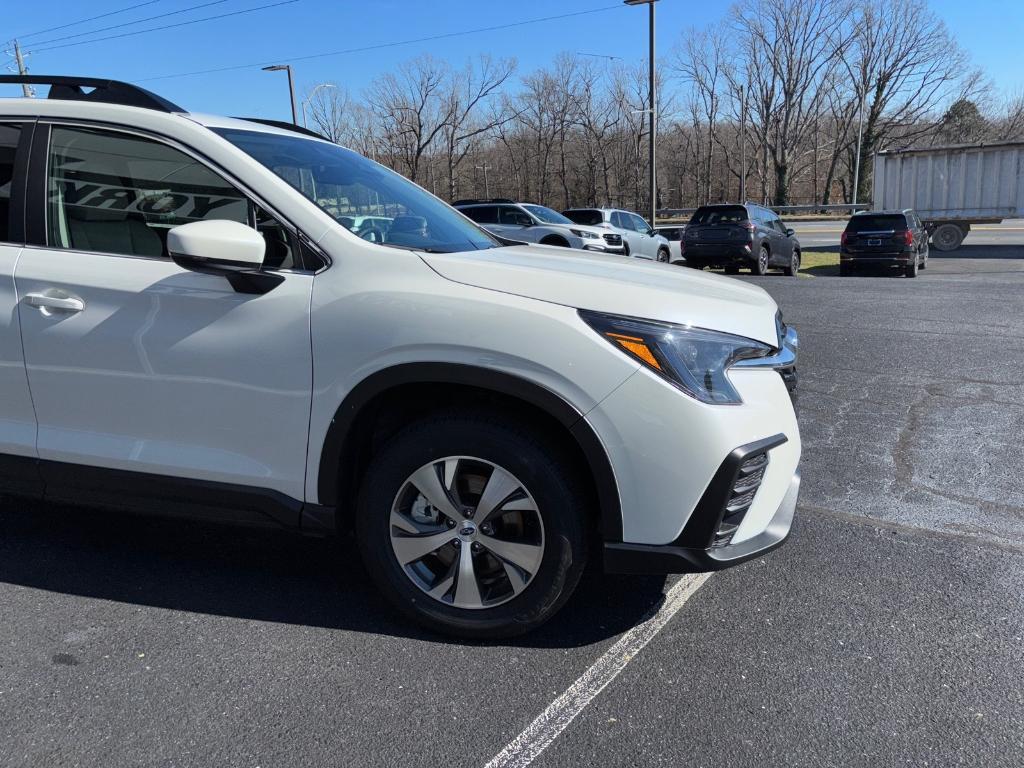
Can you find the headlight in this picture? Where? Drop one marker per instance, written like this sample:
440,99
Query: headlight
585,235
693,359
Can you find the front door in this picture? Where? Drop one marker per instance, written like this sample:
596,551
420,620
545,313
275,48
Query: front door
17,419
137,364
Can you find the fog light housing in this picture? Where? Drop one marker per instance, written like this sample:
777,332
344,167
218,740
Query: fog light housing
741,496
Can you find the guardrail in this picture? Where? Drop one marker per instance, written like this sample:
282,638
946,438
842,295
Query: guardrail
667,213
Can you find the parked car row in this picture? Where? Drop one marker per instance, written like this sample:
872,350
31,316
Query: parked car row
605,230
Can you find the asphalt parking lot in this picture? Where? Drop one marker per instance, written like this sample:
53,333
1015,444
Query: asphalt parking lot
888,631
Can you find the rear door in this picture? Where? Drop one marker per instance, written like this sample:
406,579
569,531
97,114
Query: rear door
18,470
648,245
621,221
782,251
136,364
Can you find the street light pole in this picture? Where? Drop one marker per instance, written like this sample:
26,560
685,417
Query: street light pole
291,86
860,137
487,187
309,100
743,145
653,114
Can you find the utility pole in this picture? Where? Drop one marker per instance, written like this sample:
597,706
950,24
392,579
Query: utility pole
743,145
25,89
487,187
860,137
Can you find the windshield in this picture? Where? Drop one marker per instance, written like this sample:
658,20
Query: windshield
587,216
547,215
367,199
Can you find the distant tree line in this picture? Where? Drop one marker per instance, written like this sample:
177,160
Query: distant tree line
775,95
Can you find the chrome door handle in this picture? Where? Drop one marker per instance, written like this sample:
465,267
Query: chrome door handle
62,303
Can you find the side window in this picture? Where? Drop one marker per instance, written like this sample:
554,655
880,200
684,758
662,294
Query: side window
638,223
120,194
512,215
483,214
617,220
9,135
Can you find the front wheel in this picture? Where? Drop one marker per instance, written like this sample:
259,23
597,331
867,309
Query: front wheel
663,255
472,526
794,264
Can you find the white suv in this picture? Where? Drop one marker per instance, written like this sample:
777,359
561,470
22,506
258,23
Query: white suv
185,329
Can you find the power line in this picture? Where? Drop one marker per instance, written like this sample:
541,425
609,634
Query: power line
380,46
130,23
91,18
167,26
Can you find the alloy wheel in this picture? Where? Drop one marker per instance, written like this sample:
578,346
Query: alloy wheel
467,532
762,261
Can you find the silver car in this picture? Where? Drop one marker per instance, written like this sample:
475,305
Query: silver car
639,239
532,223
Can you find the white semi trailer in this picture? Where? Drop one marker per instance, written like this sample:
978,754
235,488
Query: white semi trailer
952,188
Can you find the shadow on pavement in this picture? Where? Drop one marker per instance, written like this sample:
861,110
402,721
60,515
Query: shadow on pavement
266,575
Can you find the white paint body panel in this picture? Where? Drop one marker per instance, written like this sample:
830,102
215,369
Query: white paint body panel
665,447
169,371
17,419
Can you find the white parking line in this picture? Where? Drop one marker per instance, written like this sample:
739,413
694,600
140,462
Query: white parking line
539,734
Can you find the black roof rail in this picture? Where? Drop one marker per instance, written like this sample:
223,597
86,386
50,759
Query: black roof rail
104,91
485,202
285,126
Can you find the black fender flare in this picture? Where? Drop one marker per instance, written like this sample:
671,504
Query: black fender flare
500,382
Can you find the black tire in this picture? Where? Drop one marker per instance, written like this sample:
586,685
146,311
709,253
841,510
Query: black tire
625,247
911,269
846,270
694,264
947,237
664,256
732,270
534,459
794,264
760,266
924,261
556,241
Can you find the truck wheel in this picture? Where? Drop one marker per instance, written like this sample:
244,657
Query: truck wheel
947,237
472,525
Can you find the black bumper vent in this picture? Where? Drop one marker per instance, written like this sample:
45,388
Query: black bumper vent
748,480
718,514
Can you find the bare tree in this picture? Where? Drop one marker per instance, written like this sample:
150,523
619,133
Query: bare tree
328,109
412,112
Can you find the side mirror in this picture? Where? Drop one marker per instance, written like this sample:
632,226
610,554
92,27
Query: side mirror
790,232
227,248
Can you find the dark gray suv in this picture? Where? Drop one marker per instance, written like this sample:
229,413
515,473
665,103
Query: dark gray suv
734,236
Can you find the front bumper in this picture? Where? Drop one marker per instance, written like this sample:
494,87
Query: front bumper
655,559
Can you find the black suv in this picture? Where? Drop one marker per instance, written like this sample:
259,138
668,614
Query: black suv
884,238
734,236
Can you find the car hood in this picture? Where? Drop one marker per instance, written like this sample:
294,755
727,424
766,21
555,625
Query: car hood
585,280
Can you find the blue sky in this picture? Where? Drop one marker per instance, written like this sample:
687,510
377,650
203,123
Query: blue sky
991,30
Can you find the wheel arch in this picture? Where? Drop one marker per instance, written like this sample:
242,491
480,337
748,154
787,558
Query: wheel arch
554,240
414,389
